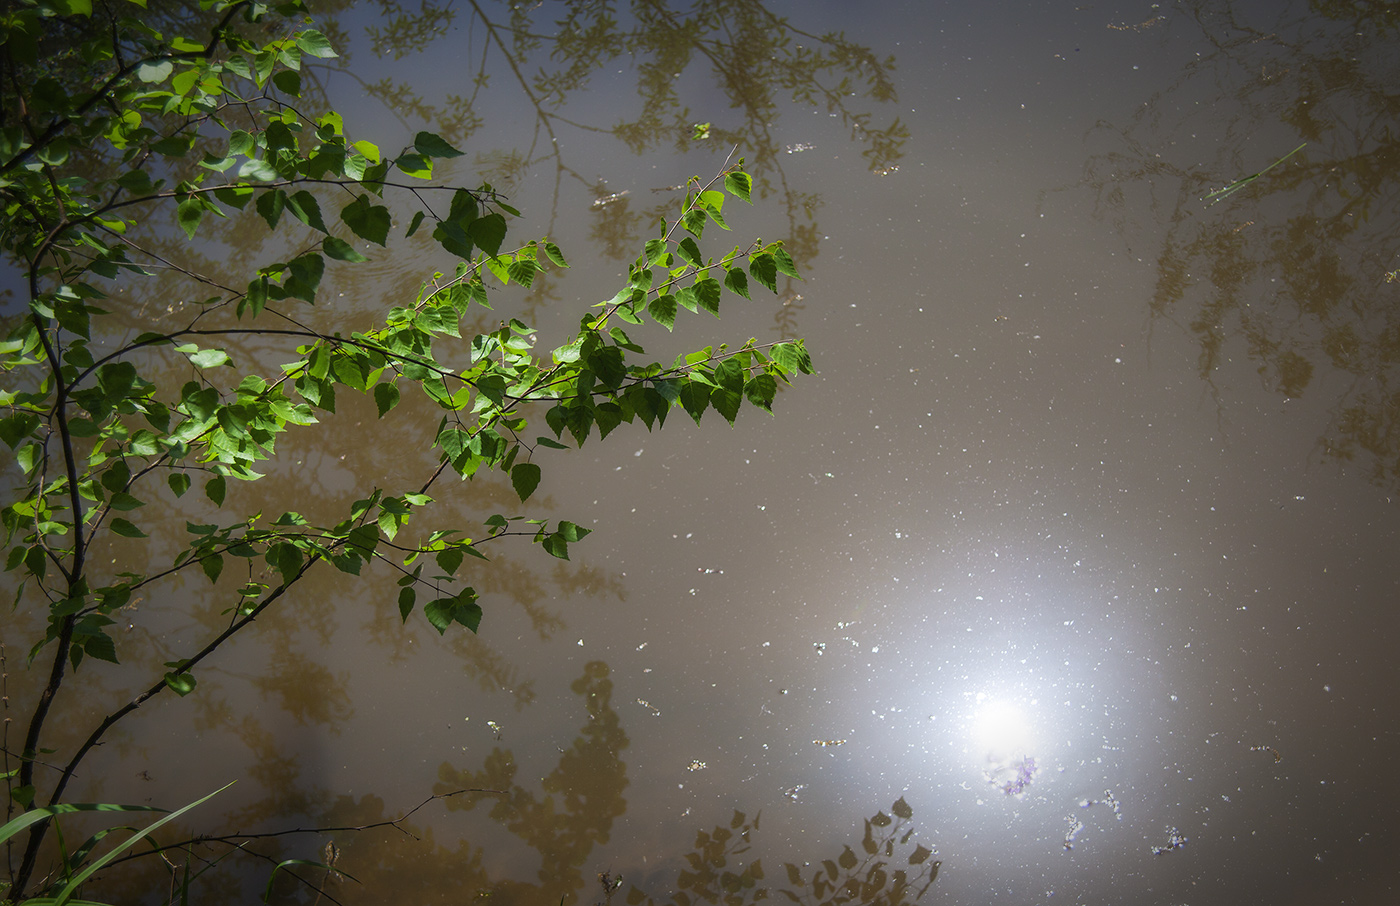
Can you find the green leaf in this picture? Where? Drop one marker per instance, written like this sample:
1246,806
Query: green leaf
123,502
415,165
239,142
305,208
736,282
288,82
764,269
15,428
296,413
406,598
215,489
728,396
488,233
552,251
695,397
707,292
126,529
386,397
307,271
573,532
556,546
179,483
181,684
208,358
449,559
269,205
101,647
525,477
188,215
463,609
792,357
286,559
153,72
453,238
346,563
257,170
607,363
439,613
369,149
663,310
315,44
739,184
784,262
690,252
213,565
432,145
761,391
340,250
415,223
368,221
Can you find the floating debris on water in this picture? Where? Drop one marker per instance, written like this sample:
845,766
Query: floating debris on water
820,646
800,147
793,792
1144,24
655,712
609,199
1013,778
495,728
828,742
1277,756
1175,840
1109,800
1075,827
696,765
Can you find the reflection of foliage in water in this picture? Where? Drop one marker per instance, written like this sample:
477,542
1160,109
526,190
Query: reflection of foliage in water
1296,264
573,812
885,874
547,56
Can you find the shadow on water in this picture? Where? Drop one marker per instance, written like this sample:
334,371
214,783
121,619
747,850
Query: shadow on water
366,855
1298,270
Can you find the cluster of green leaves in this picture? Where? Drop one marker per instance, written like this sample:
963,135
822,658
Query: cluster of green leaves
143,123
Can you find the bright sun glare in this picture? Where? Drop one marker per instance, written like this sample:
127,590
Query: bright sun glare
1000,729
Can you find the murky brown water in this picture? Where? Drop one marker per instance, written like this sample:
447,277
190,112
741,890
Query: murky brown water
1076,562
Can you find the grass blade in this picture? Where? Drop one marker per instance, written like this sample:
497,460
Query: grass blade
1243,181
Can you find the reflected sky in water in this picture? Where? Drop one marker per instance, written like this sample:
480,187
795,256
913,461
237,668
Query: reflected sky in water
1058,548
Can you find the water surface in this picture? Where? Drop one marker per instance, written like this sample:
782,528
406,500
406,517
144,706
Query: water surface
1073,568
